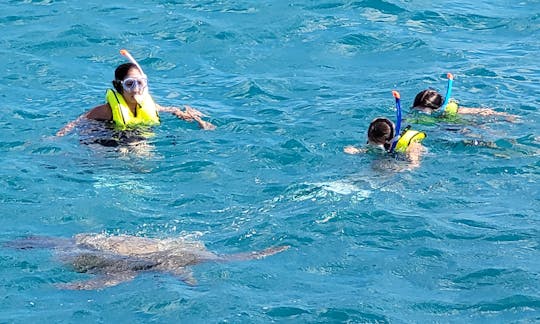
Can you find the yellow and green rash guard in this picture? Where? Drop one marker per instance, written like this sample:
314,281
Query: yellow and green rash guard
408,137
145,114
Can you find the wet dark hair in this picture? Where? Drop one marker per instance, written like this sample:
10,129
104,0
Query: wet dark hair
428,98
120,73
381,131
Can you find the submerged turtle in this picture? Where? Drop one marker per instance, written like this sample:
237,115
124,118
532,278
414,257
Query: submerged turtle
120,258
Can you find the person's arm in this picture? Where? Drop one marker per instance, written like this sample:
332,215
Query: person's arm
414,153
101,112
353,150
70,126
485,112
190,114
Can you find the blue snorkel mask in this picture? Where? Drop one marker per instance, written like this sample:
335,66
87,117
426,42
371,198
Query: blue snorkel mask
448,93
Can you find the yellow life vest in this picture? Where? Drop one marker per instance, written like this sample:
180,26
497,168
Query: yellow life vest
407,137
145,114
451,109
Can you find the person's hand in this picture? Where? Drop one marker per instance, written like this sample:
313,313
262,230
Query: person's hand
193,112
66,129
182,115
196,115
206,125
511,118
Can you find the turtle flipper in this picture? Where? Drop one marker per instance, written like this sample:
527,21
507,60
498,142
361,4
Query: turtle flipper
99,282
39,242
255,254
183,274
188,278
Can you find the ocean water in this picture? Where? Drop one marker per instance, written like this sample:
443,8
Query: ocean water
289,85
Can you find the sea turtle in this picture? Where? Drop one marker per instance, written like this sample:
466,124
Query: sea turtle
119,258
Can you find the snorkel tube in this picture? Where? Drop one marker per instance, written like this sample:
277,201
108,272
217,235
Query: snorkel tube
125,53
398,120
448,92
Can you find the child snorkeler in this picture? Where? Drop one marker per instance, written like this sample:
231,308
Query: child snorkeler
432,103
382,134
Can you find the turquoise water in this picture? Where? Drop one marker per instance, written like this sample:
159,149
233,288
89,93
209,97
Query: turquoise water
288,85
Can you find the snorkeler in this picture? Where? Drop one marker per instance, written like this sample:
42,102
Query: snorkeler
431,102
130,105
384,134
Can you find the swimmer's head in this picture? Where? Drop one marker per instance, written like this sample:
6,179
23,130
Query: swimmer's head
120,74
381,132
428,100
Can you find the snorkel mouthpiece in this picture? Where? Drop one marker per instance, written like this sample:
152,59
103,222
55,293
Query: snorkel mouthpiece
397,96
448,92
125,53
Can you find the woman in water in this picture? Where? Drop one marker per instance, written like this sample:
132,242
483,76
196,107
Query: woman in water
130,105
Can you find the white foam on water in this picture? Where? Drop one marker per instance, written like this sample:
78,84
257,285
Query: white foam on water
343,187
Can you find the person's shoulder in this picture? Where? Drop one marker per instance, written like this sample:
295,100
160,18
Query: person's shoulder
101,112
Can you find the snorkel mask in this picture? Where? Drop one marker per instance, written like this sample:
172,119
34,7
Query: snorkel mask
130,84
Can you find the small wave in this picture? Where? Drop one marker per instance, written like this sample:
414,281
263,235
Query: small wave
380,5
480,71
361,40
515,302
327,5
344,315
252,89
487,277
284,311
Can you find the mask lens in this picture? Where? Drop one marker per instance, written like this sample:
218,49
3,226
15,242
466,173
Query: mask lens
130,84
